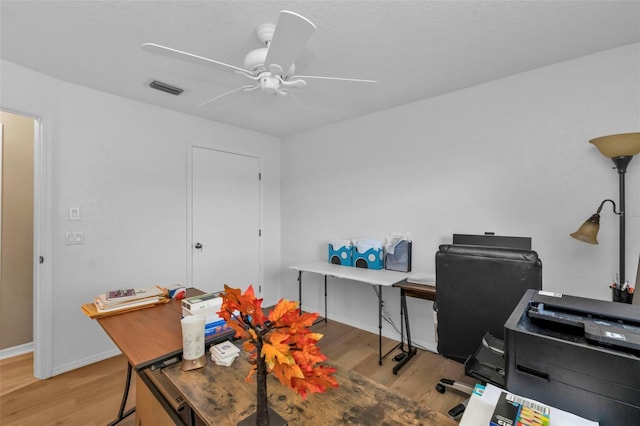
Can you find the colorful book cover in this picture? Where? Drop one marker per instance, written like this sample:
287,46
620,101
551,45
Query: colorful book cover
115,294
512,410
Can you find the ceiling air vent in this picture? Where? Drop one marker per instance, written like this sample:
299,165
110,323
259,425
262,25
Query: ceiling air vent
164,87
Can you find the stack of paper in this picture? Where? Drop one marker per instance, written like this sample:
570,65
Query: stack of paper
224,353
128,298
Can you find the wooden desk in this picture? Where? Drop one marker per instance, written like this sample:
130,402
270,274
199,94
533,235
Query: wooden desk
149,338
420,291
145,337
376,277
220,396
148,335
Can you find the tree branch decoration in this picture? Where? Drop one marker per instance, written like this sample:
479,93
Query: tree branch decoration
280,343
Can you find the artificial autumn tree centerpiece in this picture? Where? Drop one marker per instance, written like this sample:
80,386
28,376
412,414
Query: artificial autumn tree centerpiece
279,343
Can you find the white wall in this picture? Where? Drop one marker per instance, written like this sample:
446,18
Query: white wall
511,156
124,163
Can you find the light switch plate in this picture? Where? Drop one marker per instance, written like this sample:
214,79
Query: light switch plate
69,238
74,213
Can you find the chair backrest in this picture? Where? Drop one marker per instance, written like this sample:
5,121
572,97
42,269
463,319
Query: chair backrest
477,289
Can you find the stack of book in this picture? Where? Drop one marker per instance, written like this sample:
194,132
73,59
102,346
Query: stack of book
224,353
207,306
117,300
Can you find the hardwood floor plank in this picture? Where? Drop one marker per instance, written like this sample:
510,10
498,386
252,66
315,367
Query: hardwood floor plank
16,372
91,395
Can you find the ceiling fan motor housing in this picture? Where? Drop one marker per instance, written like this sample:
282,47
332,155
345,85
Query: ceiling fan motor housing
270,84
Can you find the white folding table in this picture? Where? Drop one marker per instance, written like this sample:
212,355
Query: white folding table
376,277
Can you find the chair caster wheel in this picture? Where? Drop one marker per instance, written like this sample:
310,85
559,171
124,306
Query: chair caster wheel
457,411
440,388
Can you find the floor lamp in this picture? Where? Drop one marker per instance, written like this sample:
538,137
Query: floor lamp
620,148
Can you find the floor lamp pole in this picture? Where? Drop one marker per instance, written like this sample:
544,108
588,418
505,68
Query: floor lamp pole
621,164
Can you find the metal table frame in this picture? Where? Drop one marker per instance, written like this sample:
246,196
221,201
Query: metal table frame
378,278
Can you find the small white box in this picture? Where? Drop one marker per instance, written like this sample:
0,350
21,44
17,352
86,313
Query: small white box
204,301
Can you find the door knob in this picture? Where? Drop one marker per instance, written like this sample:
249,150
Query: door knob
198,246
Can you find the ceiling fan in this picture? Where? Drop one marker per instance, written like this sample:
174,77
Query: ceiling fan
272,67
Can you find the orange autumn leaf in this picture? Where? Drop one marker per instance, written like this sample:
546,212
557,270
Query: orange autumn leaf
316,383
282,308
247,304
248,346
285,373
308,356
239,329
278,341
300,323
273,355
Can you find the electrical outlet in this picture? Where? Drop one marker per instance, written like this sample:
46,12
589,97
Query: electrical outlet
74,238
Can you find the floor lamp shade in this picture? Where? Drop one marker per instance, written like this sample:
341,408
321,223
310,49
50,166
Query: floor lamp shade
588,231
620,145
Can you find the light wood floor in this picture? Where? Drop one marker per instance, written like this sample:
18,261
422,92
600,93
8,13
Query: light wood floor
91,395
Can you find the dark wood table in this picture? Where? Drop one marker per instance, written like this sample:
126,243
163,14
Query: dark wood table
419,291
221,396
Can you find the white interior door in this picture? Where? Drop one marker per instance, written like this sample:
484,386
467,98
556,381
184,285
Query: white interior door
226,220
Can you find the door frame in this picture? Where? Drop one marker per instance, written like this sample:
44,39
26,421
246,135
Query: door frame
189,247
42,241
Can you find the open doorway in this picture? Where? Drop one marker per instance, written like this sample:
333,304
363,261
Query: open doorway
40,239
16,233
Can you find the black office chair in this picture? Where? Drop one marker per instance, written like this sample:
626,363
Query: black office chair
477,289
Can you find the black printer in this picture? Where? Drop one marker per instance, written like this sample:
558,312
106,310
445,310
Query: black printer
577,354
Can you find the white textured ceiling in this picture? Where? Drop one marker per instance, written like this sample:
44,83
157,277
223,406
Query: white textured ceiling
414,49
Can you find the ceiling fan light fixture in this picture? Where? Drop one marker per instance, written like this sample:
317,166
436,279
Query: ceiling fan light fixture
265,33
254,61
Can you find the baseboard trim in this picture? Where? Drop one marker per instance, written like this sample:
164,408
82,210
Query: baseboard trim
16,350
85,361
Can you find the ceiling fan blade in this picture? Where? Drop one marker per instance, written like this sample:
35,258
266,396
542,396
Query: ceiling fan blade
201,60
317,77
245,88
291,35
